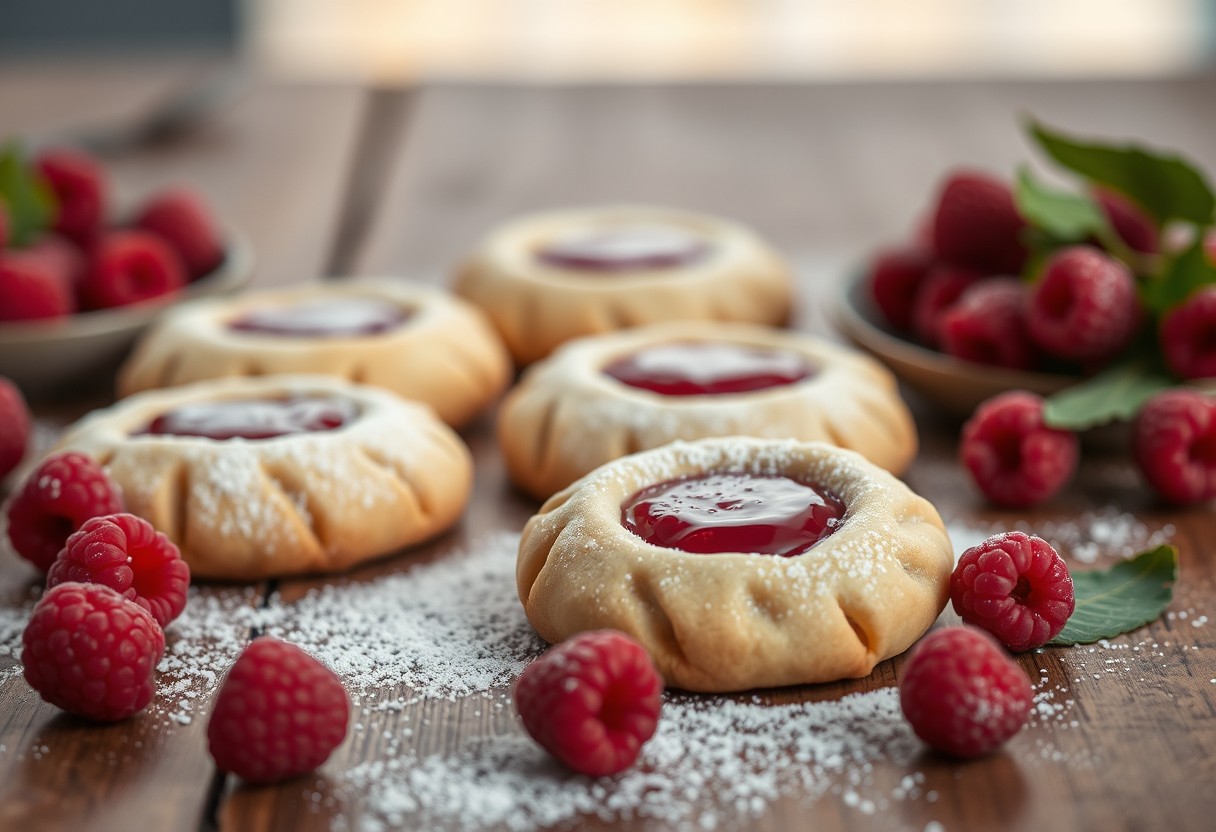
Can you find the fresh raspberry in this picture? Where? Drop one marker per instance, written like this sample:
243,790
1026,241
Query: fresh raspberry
962,694
129,267
55,254
1084,306
976,224
1015,586
92,652
63,492
1130,222
941,289
895,279
1175,445
180,218
30,291
1014,458
987,325
14,427
1188,336
78,183
126,554
279,713
591,701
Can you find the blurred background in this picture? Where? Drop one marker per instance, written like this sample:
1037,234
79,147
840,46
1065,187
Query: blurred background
402,41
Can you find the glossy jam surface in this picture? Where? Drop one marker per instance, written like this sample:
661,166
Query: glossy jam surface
336,318
707,369
719,513
255,418
624,248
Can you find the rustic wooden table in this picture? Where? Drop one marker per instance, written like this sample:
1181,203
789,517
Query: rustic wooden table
338,180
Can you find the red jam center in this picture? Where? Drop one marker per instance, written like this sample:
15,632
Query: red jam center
733,513
324,319
705,369
624,248
255,418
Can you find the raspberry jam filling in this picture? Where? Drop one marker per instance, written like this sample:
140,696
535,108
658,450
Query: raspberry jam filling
624,248
255,418
719,513
341,317
706,369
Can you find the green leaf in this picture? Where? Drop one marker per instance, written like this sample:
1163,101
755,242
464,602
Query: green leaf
1187,272
1120,599
29,201
1114,394
1062,216
1165,185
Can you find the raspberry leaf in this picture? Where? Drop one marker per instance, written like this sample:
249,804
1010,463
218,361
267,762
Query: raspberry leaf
1182,275
1062,216
1165,185
1112,395
1120,599
29,201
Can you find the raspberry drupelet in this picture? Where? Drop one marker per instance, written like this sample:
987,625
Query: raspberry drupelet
1014,458
591,701
1015,586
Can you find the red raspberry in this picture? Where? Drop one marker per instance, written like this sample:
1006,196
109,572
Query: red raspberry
976,224
1084,306
591,701
280,713
1134,227
1013,457
30,291
962,694
129,267
941,289
1016,587
987,325
1188,336
92,652
63,492
55,254
1175,445
126,554
14,427
180,218
78,183
895,279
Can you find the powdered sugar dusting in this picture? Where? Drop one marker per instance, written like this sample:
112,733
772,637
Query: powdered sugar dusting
1092,536
739,756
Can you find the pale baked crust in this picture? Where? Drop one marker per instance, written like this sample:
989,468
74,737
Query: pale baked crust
446,354
738,621
566,417
304,503
537,307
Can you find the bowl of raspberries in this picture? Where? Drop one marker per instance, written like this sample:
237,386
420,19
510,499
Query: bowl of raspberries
1094,297
78,282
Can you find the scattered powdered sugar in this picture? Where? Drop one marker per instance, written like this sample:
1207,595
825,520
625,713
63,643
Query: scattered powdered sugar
1093,536
442,631
738,756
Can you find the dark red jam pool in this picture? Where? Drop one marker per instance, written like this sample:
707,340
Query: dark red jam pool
255,418
707,369
733,513
337,318
625,248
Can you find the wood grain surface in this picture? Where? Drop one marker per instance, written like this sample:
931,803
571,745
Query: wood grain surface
390,182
